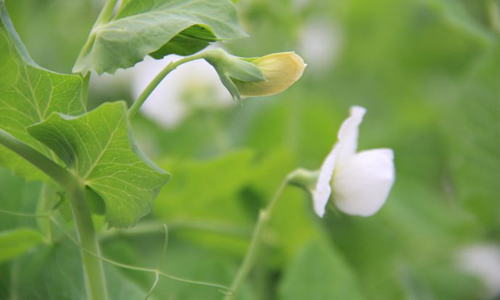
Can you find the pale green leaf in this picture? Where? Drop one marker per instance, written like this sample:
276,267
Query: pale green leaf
29,95
159,28
16,242
205,190
97,148
319,272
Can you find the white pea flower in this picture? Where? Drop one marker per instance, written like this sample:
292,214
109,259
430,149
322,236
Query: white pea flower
320,43
483,260
361,181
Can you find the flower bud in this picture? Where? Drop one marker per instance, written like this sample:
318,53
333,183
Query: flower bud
280,70
231,68
262,76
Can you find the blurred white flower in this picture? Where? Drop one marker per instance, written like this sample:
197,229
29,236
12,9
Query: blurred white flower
184,87
483,261
320,44
361,181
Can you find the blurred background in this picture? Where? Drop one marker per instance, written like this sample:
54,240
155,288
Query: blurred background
428,71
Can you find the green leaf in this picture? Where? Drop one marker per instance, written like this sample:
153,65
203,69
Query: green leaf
158,28
189,41
319,272
208,186
29,95
17,242
97,148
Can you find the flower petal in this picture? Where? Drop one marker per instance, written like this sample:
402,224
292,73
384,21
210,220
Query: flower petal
323,190
347,144
348,133
362,183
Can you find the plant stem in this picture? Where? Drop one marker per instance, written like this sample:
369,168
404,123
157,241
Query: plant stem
249,259
95,282
104,17
156,81
92,266
106,13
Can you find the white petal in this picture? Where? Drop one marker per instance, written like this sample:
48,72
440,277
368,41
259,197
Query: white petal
323,190
348,133
362,183
347,144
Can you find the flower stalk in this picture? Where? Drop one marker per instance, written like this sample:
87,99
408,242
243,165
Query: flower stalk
156,81
248,261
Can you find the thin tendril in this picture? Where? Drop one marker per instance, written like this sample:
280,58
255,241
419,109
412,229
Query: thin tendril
28,215
160,262
165,246
157,279
121,265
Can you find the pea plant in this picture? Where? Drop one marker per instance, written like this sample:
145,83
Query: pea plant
88,161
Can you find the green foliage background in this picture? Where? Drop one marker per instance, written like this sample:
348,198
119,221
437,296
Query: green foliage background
428,71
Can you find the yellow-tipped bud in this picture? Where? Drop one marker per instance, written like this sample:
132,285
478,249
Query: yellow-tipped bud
281,70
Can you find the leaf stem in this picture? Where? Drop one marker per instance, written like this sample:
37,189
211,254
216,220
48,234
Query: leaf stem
157,80
104,17
246,266
95,282
106,13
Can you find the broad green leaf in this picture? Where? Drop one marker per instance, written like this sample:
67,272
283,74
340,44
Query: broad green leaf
206,195
16,242
319,272
158,28
205,190
29,94
97,148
